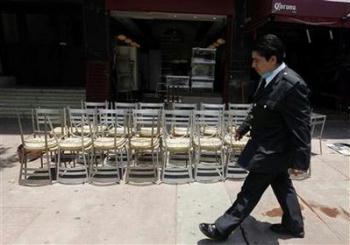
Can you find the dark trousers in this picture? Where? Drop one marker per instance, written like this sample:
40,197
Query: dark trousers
253,187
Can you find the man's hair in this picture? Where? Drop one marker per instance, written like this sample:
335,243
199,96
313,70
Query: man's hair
270,45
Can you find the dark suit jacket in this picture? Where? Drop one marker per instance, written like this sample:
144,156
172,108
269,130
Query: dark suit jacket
279,125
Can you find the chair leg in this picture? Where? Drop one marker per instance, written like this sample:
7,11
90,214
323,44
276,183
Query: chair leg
189,166
24,162
85,167
48,165
165,159
58,165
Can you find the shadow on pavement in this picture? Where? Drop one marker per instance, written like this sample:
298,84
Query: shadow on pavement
9,161
252,231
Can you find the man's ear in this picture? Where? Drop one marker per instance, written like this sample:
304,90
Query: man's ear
273,59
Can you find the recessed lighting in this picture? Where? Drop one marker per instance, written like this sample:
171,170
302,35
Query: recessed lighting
214,18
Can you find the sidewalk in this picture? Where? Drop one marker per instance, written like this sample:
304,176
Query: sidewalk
168,214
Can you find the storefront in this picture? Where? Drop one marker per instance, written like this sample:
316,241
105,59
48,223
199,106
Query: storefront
160,37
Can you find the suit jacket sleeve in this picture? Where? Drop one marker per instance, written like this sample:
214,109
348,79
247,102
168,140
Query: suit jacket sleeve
296,113
245,126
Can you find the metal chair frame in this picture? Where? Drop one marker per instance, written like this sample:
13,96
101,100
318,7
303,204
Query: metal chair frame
173,120
201,120
141,172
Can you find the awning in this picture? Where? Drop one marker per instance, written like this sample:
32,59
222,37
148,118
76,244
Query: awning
331,13
218,7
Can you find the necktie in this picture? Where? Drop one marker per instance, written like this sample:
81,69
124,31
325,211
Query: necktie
260,87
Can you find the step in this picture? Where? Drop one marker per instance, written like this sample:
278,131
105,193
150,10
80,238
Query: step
22,100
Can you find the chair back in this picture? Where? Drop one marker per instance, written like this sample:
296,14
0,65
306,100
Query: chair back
177,120
204,120
113,119
152,106
78,118
41,116
125,106
94,105
212,107
239,112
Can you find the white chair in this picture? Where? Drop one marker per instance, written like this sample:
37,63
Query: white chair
208,144
177,145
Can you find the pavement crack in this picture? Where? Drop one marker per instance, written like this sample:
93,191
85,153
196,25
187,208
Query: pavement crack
244,234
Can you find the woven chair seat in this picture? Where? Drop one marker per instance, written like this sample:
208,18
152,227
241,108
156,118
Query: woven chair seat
82,130
86,129
178,144
209,143
38,143
143,143
147,131
181,131
238,145
107,143
119,132
209,130
74,143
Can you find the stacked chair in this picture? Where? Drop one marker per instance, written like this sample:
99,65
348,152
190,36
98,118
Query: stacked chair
143,142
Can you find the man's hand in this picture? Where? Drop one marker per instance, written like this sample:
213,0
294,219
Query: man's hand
296,172
238,136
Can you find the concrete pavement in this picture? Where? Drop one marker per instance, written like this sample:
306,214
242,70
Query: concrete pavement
167,214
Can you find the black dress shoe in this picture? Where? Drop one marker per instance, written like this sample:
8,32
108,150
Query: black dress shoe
281,229
210,231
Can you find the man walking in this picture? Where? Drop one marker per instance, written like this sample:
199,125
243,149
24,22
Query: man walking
279,125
